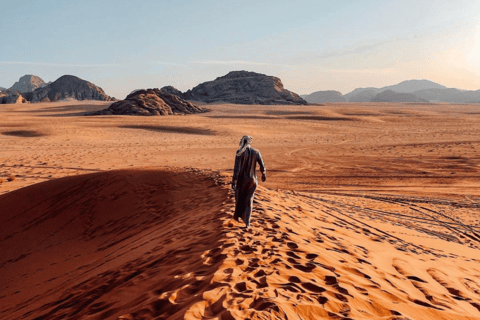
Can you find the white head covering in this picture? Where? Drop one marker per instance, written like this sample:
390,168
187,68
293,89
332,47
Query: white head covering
245,143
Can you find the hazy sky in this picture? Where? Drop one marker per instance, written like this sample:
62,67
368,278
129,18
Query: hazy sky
310,45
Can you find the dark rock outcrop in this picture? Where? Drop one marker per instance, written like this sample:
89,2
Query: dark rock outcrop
392,96
324,97
11,97
2,95
68,87
28,83
172,90
243,87
150,102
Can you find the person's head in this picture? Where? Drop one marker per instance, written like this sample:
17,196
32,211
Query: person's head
245,143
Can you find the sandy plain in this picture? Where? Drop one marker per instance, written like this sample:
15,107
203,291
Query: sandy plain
370,211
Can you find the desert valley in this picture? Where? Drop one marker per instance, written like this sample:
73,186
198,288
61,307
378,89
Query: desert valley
370,209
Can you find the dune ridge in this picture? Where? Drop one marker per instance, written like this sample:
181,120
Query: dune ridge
161,244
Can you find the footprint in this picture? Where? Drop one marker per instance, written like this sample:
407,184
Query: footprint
313,287
330,280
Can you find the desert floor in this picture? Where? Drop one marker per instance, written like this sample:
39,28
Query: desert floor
370,211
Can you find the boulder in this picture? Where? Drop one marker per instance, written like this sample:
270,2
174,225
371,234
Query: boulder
243,87
150,102
69,87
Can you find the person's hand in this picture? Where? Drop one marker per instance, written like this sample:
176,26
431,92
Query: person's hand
234,184
264,177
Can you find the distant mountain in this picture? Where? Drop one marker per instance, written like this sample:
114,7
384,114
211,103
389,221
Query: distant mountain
410,86
324,97
28,83
244,87
392,96
449,95
68,87
361,95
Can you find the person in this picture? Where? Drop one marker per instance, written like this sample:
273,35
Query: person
244,180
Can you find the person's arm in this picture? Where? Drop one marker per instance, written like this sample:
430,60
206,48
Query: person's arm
262,167
236,169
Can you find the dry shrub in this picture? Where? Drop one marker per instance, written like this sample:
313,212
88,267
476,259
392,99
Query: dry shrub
11,177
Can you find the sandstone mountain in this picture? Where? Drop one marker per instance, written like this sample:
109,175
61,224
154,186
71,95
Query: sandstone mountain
392,96
324,97
68,87
28,83
150,102
243,87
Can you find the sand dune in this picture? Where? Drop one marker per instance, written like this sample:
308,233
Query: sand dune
369,212
141,244
106,243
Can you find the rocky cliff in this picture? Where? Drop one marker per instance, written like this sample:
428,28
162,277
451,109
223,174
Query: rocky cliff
150,102
243,87
68,87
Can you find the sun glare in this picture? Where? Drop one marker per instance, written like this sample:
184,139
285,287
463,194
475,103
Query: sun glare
473,53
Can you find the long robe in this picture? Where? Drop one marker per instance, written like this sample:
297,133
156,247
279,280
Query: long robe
244,173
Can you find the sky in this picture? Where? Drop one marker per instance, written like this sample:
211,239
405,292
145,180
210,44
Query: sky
310,45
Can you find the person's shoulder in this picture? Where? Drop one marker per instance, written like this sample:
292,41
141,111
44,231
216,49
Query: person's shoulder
255,150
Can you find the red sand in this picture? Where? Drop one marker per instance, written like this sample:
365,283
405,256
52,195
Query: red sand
381,223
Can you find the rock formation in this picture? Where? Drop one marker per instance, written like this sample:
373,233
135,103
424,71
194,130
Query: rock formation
11,97
243,87
68,87
28,83
324,97
172,90
392,96
150,102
